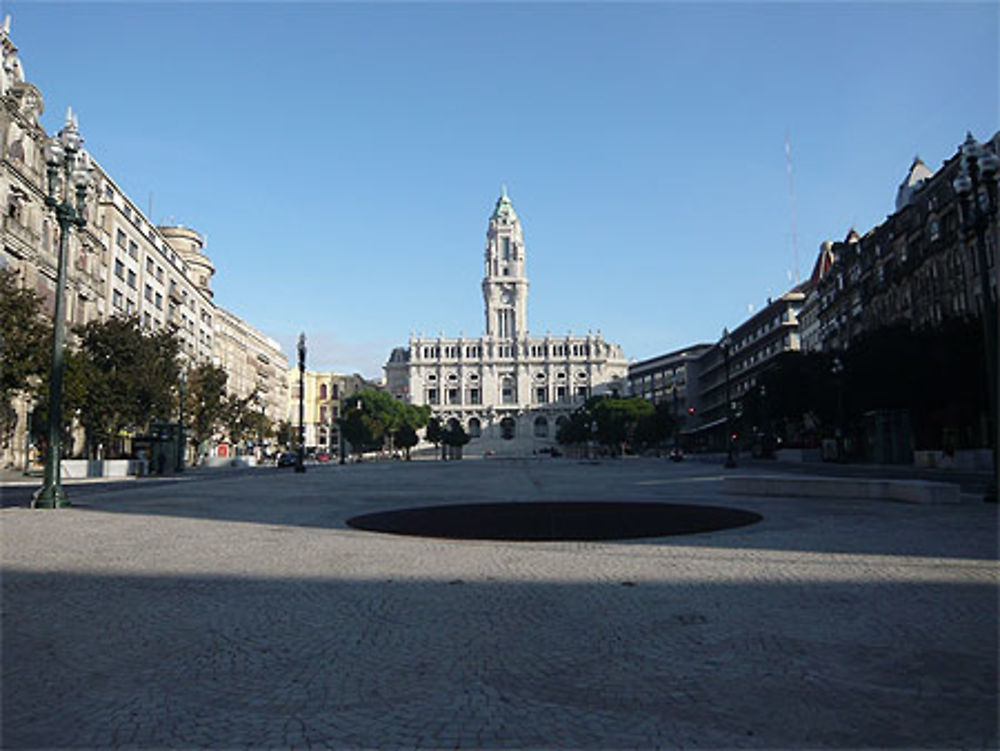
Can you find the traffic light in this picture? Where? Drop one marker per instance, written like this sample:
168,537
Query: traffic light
691,411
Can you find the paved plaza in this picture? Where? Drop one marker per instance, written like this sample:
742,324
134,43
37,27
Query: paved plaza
238,610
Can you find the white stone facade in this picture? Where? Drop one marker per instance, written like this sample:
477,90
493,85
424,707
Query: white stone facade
508,390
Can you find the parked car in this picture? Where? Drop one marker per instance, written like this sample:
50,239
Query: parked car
323,456
287,459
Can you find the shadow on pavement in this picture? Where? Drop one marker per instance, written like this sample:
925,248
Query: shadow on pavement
95,661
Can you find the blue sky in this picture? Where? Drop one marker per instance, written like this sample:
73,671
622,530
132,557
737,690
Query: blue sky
342,159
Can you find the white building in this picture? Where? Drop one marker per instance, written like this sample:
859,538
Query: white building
510,391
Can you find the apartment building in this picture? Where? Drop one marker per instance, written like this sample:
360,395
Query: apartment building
119,263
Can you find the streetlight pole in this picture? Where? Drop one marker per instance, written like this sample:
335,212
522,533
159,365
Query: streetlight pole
300,459
180,425
63,153
976,188
726,343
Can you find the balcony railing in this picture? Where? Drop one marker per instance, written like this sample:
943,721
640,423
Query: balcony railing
24,234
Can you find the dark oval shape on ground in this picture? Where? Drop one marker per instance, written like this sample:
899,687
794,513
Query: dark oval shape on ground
566,520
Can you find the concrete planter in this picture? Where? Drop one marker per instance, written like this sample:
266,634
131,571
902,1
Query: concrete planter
75,469
799,455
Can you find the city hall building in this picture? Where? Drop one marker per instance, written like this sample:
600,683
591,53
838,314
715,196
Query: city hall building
508,390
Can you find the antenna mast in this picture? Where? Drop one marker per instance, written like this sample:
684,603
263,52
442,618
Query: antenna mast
791,203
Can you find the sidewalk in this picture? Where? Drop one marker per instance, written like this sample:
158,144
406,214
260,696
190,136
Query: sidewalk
972,481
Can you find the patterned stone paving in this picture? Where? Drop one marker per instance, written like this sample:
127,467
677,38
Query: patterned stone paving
241,612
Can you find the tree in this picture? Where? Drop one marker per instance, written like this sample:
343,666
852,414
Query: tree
454,437
284,433
576,429
434,433
413,417
615,418
245,420
656,427
360,424
406,438
25,347
206,402
120,378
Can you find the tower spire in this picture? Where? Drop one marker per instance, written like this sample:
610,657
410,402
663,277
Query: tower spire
505,284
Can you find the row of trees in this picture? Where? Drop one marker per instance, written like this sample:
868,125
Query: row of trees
119,380
373,421
620,424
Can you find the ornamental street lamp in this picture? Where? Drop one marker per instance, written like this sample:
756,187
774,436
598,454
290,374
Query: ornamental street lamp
69,173
976,188
300,458
726,343
180,425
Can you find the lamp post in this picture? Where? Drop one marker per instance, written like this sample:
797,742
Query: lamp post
726,343
69,173
300,458
180,425
976,188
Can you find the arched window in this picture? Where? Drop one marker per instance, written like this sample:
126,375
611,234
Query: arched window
475,428
541,427
322,391
507,428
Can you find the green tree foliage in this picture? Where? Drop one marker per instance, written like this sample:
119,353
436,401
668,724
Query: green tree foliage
207,407
406,438
434,433
284,434
412,417
454,437
657,427
373,420
25,346
120,378
617,421
245,419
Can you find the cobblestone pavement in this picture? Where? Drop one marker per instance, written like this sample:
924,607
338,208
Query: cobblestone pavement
242,613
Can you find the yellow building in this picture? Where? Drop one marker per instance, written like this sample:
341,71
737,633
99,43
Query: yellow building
322,405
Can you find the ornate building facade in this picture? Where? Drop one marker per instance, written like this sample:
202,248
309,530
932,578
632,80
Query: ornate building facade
915,268
119,263
508,390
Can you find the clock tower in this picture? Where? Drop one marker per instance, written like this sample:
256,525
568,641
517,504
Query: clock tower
505,286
